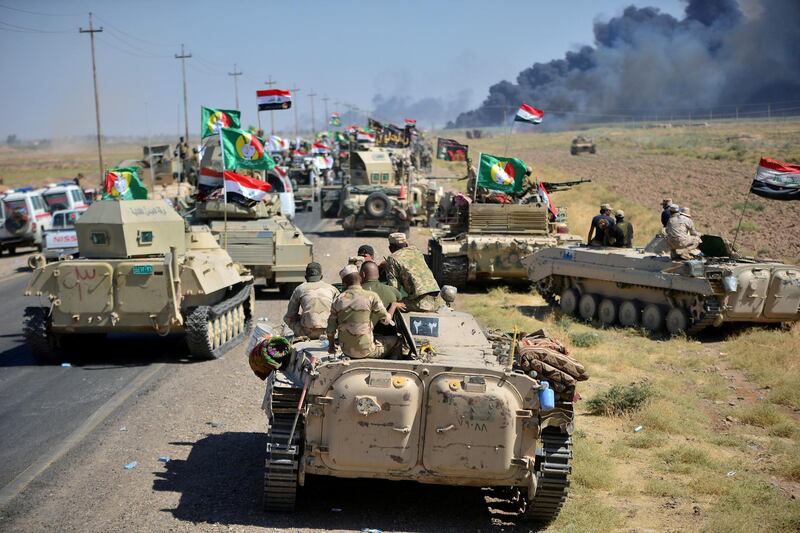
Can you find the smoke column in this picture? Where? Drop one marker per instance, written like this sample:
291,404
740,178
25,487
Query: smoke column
645,61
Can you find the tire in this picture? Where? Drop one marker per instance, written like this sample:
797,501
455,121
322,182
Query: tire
653,318
377,205
16,222
12,250
629,314
40,341
607,312
569,302
587,307
593,150
573,151
677,321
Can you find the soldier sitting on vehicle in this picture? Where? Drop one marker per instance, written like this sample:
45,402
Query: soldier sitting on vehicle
407,271
595,237
665,214
352,315
626,229
367,252
682,238
390,298
310,304
612,234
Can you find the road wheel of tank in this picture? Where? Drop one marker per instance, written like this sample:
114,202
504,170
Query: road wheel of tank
552,477
569,302
36,330
587,307
677,320
607,312
629,313
453,271
281,473
653,318
547,290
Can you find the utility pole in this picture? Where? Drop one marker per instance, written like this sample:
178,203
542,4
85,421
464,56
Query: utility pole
311,96
91,31
295,90
327,116
236,73
183,57
269,84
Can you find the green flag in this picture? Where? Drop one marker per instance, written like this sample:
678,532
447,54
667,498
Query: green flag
504,174
124,184
242,149
211,120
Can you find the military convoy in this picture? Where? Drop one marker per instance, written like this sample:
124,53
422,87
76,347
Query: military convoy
487,241
581,144
258,235
640,287
455,409
142,269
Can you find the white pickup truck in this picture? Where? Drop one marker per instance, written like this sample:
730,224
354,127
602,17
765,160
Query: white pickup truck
61,240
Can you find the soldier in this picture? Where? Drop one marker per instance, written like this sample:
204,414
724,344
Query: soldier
626,228
310,304
390,298
595,237
407,271
367,252
682,238
612,235
352,315
665,214
471,177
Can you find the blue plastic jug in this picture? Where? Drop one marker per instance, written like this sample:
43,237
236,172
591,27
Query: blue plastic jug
547,399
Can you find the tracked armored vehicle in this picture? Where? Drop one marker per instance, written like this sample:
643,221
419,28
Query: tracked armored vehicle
484,241
452,409
256,235
640,287
581,144
141,270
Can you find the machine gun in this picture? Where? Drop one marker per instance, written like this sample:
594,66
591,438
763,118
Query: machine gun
562,185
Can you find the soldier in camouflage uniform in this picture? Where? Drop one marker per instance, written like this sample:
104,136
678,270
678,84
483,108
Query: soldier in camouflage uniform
407,271
352,315
310,304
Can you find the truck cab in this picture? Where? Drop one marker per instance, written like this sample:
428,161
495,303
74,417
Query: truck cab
24,217
64,196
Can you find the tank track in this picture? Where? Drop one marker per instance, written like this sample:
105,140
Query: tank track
199,337
546,292
453,271
552,474
712,312
282,463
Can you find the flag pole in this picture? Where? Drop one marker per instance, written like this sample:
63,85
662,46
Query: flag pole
224,191
744,210
508,138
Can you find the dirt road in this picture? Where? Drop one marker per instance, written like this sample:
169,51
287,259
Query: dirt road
206,418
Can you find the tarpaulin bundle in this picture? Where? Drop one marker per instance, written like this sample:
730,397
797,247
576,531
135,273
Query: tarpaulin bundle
270,354
550,360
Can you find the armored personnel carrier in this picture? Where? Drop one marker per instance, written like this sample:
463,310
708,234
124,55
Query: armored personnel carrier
581,144
453,409
257,235
635,287
487,241
141,270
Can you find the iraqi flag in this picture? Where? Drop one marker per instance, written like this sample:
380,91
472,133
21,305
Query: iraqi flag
273,99
529,114
411,122
320,148
365,136
776,180
546,199
210,178
250,188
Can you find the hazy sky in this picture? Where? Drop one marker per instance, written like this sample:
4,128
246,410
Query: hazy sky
349,50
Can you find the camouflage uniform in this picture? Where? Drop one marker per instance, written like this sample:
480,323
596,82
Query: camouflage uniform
353,314
681,235
387,335
309,308
406,270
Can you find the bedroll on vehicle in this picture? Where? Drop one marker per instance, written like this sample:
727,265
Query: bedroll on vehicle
142,269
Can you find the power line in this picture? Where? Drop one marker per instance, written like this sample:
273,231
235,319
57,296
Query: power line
40,13
135,37
32,30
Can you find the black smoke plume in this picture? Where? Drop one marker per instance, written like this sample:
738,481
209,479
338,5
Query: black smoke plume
645,62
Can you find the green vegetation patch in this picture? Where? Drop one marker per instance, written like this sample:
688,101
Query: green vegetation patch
620,399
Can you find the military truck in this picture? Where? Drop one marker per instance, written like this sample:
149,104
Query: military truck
487,241
641,287
453,409
581,144
305,183
142,269
256,235
166,168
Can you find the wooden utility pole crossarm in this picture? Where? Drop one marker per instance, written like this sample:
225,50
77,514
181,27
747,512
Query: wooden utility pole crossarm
236,73
91,31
